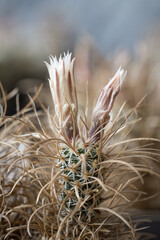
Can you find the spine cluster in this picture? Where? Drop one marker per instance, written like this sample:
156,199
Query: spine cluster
79,190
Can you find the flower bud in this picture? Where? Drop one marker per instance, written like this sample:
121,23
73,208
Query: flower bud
101,112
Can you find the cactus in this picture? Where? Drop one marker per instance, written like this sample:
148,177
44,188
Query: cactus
80,160
78,187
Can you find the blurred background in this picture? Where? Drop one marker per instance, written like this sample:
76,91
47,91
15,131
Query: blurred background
32,30
102,35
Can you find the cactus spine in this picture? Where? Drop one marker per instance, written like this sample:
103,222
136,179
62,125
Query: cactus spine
79,189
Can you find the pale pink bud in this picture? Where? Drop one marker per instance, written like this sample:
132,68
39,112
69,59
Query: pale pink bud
101,112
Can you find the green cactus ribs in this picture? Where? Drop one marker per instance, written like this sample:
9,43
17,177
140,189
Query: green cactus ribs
78,186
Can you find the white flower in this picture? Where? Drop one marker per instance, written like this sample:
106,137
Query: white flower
101,112
63,91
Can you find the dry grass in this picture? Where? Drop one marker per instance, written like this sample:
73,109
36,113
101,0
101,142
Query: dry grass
142,80
29,149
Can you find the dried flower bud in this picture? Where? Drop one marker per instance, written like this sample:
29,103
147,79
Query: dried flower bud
101,112
63,91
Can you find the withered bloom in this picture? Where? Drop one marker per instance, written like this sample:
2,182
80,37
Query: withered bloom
101,112
62,85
